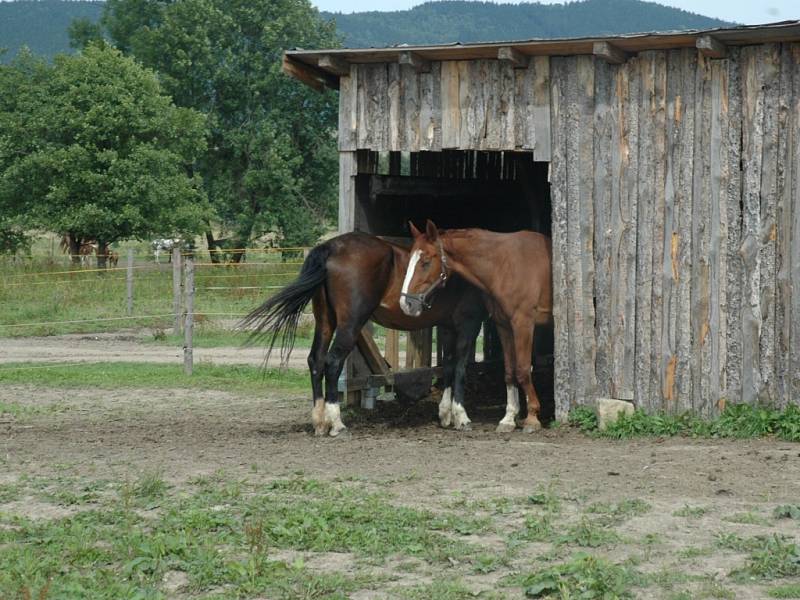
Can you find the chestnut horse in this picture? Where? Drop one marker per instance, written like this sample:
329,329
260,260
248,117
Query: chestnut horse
514,271
350,279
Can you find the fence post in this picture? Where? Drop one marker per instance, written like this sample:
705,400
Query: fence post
129,281
176,289
187,328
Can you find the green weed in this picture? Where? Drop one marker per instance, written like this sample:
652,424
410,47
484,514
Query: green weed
787,511
583,576
588,534
791,590
746,518
694,512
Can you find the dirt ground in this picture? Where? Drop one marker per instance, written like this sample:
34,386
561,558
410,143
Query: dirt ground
184,434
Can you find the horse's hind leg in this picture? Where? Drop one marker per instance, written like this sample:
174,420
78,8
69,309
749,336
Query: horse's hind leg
523,341
323,332
465,340
445,337
509,421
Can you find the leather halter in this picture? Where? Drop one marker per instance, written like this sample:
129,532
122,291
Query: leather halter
420,300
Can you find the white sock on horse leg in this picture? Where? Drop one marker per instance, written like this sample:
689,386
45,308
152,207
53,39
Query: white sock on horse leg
446,407
512,405
333,416
460,418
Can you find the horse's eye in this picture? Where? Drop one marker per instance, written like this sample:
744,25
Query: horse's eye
426,262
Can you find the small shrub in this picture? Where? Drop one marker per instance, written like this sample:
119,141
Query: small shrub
584,418
787,511
584,576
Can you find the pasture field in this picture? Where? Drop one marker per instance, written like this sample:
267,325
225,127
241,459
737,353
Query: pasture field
126,480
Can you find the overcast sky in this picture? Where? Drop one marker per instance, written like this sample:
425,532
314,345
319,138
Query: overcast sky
741,11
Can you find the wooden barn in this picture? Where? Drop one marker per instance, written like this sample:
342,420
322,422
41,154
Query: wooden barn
665,165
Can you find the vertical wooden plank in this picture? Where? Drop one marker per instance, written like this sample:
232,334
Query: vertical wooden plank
507,106
644,232
523,107
427,121
541,108
583,213
669,250
348,110
753,142
624,225
719,177
492,100
605,144
701,221
176,289
451,111
188,325
562,374
683,242
392,348
770,84
734,273
396,107
347,191
783,218
657,115
410,129
469,99
794,245
373,107
129,284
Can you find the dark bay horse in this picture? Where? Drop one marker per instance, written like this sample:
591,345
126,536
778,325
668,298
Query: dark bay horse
350,279
514,271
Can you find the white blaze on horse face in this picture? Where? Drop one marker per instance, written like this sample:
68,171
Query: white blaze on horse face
412,266
512,406
445,407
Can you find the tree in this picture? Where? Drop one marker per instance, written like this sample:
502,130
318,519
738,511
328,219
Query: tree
91,147
271,158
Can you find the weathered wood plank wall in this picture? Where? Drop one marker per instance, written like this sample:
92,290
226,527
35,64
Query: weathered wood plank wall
675,206
461,105
688,208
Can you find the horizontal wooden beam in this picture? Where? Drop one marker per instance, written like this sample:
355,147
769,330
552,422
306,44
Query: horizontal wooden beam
609,53
513,56
711,47
314,78
334,64
415,60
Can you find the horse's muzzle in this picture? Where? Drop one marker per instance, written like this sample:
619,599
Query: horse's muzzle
414,304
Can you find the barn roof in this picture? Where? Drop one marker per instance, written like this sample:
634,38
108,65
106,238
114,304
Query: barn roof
319,68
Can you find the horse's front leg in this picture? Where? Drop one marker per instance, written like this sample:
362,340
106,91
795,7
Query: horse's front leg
465,345
509,421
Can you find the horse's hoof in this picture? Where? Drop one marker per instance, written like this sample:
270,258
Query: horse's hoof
445,423
531,426
342,434
505,427
464,427
320,431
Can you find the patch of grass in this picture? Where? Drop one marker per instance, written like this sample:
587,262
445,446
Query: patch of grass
582,576
535,528
588,534
583,417
10,492
787,511
619,511
546,498
746,518
773,557
695,552
236,378
220,533
791,590
443,589
694,512
736,421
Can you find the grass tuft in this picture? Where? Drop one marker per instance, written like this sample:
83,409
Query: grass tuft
582,576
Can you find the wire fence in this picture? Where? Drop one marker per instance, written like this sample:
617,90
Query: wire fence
39,296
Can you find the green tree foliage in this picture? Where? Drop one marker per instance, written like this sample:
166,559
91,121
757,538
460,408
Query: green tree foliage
92,147
462,21
270,163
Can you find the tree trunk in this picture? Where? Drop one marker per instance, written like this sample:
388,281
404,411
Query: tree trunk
213,247
102,254
74,249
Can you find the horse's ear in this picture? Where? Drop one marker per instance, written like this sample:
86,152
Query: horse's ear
430,229
414,231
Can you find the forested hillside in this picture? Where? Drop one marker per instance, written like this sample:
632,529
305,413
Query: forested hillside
461,21
42,24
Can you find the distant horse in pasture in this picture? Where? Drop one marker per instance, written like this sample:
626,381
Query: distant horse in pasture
514,271
79,249
350,279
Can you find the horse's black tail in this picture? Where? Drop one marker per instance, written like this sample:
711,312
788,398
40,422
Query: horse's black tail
280,314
